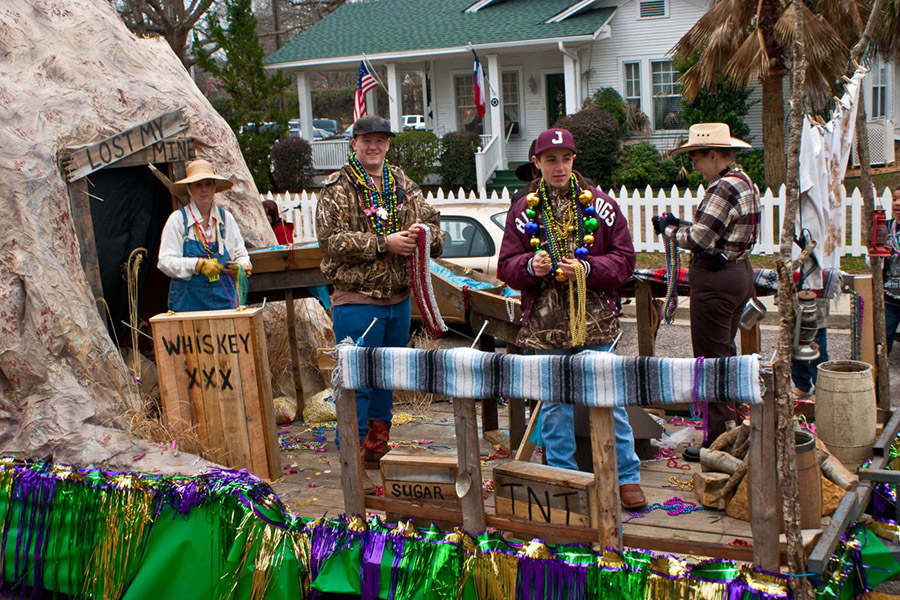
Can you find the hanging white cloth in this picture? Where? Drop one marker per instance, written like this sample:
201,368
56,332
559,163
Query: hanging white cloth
824,152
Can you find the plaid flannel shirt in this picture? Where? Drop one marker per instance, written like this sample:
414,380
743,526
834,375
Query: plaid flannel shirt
726,220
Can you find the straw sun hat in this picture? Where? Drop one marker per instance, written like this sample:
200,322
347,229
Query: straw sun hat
198,170
711,136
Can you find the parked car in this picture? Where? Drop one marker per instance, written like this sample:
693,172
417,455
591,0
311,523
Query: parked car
473,233
318,134
330,125
414,122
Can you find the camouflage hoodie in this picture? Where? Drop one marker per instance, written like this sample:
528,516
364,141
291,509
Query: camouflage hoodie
355,257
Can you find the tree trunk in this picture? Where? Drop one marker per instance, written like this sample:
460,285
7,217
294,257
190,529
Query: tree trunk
784,435
773,129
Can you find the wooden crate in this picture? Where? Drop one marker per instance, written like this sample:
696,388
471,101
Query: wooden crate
420,475
214,380
545,494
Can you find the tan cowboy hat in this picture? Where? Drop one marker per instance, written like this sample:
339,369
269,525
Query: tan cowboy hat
198,170
709,135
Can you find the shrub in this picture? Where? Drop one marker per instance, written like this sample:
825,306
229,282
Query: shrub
609,100
597,136
458,160
642,165
753,163
415,152
292,166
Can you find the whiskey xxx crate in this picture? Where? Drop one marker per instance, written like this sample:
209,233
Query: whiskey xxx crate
215,388
544,494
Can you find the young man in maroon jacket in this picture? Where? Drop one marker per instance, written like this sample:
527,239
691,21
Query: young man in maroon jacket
567,240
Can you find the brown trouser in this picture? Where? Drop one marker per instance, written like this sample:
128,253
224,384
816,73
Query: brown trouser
717,301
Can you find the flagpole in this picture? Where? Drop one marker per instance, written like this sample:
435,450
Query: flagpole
371,69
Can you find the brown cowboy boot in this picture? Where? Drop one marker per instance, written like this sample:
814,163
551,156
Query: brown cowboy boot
376,442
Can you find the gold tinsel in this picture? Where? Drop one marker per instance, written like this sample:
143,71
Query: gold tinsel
493,575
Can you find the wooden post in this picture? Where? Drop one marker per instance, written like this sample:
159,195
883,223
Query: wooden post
80,206
526,447
763,480
473,501
294,350
647,322
751,340
606,516
489,418
862,285
516,411
351,469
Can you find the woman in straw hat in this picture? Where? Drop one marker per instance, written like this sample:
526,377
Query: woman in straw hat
720,237
202,249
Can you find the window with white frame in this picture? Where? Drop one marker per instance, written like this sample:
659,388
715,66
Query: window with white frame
666,96
879,89
633,85
651,9
466,111
511,109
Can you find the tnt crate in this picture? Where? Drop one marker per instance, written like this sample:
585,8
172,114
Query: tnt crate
214,381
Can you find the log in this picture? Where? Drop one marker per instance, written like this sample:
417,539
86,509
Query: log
741,450
735,478
835,471
722,462
707,487
726,440
742,436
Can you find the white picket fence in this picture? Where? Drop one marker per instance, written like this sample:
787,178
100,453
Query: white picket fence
638,206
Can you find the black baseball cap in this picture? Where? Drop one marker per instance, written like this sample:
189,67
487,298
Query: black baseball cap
372,124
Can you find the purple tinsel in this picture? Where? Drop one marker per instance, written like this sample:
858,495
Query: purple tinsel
370,563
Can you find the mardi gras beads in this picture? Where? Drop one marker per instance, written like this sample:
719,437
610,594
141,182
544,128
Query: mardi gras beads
382,206
580,219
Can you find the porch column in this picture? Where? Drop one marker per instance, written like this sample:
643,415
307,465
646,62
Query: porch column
495,93
396,97
570,73
304,98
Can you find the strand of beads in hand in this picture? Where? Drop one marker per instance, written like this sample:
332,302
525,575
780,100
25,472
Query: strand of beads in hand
580,219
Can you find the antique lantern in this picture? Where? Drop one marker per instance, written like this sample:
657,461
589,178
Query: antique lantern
879,237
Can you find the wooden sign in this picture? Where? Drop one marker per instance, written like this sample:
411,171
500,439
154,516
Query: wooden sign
544,494
83,161
214,386
418,475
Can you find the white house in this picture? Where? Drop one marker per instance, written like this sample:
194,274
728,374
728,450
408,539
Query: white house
542,59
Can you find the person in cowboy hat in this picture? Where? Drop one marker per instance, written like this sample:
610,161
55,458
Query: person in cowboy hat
369,219
584,245
720,238
202,249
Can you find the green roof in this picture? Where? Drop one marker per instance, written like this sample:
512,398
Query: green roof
386,26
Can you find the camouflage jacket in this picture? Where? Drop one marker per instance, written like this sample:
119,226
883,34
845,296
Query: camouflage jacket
355,257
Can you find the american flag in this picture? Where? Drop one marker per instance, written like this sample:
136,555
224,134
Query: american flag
365,83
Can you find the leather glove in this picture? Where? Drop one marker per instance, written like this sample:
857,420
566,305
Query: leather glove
232,267
210,268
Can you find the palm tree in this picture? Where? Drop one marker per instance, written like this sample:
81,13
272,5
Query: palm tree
750,41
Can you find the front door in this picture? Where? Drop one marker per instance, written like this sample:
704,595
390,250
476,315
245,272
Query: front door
556,97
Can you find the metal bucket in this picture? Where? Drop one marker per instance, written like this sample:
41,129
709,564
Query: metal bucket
845,410
754,312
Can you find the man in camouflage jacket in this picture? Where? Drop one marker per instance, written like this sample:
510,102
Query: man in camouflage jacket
367,222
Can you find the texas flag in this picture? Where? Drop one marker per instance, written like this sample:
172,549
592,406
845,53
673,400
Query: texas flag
479,87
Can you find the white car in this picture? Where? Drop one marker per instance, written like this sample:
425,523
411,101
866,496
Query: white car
473,232
414,122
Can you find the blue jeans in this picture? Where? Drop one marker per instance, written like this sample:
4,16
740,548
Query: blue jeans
558,431
804,372
391,330
891,320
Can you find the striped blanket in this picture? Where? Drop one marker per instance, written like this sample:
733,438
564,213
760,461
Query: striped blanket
596,379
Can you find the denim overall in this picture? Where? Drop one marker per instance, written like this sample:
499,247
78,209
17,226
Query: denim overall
198,292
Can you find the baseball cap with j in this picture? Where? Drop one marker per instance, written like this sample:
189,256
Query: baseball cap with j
554,138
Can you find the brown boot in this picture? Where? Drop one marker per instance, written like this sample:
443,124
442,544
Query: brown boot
632,496
376,443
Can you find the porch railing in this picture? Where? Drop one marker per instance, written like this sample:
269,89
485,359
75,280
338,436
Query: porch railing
328,155
487,160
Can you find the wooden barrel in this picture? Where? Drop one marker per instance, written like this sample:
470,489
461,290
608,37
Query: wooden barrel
845,410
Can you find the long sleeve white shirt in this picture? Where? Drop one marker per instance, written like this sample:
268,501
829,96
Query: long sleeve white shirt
171,260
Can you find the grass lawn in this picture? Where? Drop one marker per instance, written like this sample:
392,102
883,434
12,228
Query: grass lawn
657,260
